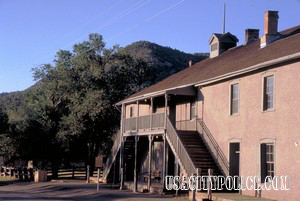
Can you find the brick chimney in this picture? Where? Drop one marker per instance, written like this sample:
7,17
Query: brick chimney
270,28
251,35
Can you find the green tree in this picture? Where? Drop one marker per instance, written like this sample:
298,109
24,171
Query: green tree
76,101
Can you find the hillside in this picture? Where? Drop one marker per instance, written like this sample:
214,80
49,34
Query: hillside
165,61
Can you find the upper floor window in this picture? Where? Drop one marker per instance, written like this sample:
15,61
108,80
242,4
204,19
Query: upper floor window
131,111
268,92
234,99
267,160
193,110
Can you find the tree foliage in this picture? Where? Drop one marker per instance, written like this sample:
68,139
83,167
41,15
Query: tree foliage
69,115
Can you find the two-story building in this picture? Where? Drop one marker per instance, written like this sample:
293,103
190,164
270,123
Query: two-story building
237,113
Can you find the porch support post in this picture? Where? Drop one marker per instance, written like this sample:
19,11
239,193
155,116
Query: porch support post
122,172
150,160
164,160
176,172
137,116
151,113
135,163
166,110
167,158
122,148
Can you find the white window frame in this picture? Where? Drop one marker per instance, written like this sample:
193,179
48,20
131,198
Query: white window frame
267,141
233,82
268,73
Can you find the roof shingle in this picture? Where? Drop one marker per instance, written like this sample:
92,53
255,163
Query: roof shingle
232,60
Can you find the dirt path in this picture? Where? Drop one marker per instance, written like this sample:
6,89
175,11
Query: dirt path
74,190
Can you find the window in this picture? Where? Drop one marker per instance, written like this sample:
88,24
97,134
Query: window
268,93
267,160
234,102
193,110
131,111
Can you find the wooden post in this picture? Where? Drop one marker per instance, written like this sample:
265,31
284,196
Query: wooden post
122,148
167,158
114,176
122,163
166,110
164,159
176,172
150,161
135,163
137,116
209,191
194,191
151,113
88,174
73,172
98,177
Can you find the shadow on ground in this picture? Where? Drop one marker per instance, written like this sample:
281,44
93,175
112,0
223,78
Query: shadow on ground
76,190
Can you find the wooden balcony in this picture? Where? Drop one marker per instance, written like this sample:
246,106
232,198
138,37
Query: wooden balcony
145,123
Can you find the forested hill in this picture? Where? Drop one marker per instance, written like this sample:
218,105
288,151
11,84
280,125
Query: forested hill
164,60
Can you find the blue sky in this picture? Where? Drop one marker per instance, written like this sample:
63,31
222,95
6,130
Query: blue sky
31,31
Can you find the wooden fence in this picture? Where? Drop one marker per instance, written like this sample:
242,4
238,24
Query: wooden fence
64,173
18,173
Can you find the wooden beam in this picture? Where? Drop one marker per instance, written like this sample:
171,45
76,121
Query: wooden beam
151,113
137,116
122,163
166,110
135,163
122,148
150,137
164,160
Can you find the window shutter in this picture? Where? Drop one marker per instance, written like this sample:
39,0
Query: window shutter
263,161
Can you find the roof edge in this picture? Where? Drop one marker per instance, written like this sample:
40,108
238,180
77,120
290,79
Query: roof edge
217,78
249,69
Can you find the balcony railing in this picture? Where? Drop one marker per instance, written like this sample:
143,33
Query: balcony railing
158,120
187,125
147,122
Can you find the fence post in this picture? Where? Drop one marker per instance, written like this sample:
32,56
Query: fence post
98,177
73,171
88,174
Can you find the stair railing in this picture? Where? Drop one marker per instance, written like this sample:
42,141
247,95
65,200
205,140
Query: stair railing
113,154
179,150
213,146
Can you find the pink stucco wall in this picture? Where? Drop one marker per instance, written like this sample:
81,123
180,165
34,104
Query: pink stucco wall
252,125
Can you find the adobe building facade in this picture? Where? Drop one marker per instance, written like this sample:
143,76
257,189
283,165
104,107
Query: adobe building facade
235,113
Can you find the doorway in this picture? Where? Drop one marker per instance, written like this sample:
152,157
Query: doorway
234,159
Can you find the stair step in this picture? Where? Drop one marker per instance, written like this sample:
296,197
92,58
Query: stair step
198,151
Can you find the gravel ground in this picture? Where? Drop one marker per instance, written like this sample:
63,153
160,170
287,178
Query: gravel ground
74,190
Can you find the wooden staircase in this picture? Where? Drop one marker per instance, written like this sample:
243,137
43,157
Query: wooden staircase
198,152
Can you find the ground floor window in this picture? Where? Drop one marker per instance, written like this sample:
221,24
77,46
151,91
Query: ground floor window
267,160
